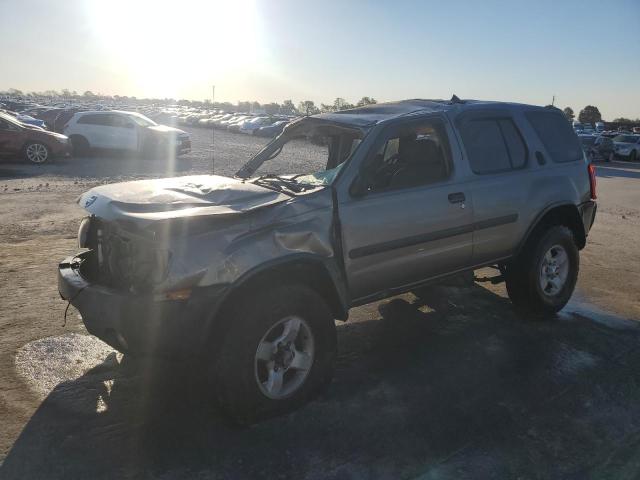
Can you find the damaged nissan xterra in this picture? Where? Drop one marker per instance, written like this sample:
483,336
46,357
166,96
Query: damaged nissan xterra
249,273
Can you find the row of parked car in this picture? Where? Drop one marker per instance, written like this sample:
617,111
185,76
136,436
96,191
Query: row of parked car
85,130
251,124
608,146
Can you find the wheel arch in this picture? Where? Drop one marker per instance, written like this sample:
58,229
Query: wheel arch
557,214
80,137
320,274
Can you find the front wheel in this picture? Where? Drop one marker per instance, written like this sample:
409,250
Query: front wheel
278,353
544,275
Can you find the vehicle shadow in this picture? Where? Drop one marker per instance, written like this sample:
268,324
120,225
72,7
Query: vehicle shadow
455,384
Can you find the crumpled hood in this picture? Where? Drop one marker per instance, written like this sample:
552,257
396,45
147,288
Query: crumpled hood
163,130
177,197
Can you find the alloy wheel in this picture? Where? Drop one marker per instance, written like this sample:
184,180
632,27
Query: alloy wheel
554,270
284,358
37,153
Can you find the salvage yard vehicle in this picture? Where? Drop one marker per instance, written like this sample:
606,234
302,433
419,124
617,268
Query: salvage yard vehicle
247,274
627,147
33,143
126,131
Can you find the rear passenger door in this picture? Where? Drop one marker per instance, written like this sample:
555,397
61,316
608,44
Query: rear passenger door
123,132
95,128
498,158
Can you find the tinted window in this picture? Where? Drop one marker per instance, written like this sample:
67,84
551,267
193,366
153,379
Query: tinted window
556,134
515,145
95,119
412,155
485,146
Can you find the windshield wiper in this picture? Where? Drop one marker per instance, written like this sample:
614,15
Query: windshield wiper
288,182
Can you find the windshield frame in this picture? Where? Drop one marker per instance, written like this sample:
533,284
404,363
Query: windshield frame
306,126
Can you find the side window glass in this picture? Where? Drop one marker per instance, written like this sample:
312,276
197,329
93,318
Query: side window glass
485,146
556,134
413,155
515,145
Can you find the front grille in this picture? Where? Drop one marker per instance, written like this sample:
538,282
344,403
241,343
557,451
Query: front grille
128,261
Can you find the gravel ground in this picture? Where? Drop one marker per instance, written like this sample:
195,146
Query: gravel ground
454,385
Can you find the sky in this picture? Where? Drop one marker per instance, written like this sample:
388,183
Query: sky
583,52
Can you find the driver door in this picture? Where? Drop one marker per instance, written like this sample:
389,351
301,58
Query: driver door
406,218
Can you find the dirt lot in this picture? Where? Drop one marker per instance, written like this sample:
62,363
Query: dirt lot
454,385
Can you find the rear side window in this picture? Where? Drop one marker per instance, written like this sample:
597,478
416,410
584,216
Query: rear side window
556,135
95,119
493,145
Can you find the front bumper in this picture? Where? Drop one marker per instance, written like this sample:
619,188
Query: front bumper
140,323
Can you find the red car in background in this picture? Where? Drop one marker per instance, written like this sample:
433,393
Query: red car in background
31,143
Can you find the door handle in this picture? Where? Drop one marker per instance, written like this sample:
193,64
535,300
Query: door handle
457,197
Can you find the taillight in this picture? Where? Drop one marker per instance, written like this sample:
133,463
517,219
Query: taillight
592,180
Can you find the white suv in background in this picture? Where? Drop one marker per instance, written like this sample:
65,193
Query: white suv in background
129,131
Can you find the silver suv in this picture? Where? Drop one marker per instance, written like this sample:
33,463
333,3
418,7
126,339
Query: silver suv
248,273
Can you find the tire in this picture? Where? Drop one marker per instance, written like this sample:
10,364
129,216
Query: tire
539,280
79,144
36,153
253,383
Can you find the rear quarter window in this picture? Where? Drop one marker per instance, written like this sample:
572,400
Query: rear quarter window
556,135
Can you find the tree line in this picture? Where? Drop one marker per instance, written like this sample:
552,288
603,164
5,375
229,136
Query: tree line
287,107
591,114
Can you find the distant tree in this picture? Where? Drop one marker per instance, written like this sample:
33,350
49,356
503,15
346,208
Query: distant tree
341,104
589,114
244,107
88,94
272,108
288,108
568,112
255,106
366,101
226,106
326,108
308,107
15,91
623,120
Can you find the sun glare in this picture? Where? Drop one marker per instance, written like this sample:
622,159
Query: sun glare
168,48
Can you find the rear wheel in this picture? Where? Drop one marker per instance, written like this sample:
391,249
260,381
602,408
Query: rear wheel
36,152
278,353
544,275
